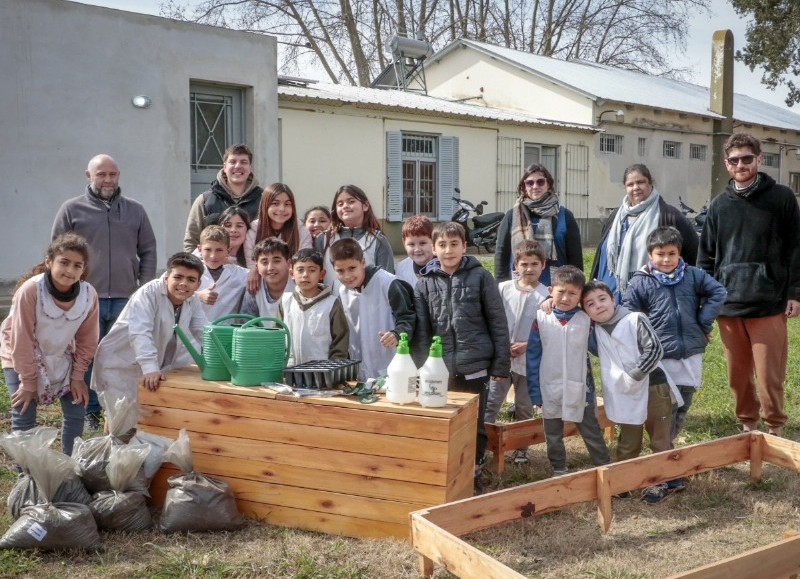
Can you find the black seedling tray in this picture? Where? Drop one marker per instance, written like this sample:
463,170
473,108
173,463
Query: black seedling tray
322,373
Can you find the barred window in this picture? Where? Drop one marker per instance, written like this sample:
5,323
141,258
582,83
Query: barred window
697,152
642,147
672,150
611,144
771,160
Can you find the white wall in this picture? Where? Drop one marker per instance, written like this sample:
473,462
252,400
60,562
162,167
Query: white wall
465,73
69,72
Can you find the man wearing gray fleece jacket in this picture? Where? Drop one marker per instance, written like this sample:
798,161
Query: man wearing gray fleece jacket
122,246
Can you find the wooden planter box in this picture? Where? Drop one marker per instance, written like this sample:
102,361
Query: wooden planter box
435,531
324,464
507,436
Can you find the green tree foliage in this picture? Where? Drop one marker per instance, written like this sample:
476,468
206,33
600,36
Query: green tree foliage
773,42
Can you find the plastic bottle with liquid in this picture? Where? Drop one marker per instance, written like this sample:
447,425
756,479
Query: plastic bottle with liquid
401,375
433,378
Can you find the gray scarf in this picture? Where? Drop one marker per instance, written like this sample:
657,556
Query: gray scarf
521,222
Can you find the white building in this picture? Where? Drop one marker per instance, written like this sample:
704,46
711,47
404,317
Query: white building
666,124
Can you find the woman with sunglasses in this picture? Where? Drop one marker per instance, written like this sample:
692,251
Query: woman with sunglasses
538,215
623,244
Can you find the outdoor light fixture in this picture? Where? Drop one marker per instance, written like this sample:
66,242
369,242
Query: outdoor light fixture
141,101
619,112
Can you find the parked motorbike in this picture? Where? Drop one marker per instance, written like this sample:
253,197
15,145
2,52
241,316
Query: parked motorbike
699,218
483,232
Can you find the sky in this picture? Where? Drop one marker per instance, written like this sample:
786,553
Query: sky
697,56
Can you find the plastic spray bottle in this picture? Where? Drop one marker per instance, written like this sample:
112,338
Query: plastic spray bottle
401,375
433,378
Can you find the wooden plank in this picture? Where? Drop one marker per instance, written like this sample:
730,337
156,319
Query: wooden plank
298,434
458,557
461,463
312,478
756,449
189,378
500,507
268,454
657,468
781,452
467,415
505,437
323,522
322,501
772,561
604,513
362,419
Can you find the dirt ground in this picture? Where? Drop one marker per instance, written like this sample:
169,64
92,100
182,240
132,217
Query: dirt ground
719,514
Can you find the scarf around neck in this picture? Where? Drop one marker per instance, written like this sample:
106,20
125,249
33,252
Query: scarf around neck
672,278
747,191
522,226
626,256
57,294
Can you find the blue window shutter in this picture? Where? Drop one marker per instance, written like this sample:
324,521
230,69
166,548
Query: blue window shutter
394,176
448,176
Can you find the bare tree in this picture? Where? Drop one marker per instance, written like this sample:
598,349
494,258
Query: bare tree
346,37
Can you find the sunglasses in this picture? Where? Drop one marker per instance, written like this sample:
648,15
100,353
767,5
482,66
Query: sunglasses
746,159
536,182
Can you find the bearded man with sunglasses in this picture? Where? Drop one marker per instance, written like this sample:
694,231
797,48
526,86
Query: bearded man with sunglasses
751,244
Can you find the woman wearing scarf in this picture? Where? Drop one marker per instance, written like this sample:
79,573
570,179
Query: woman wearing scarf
538,215
623,244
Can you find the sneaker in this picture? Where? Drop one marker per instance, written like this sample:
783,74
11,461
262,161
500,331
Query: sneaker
676,485
520,456
654,494
776,431
560,471
92,423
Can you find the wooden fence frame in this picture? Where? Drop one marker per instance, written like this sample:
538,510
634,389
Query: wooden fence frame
436,531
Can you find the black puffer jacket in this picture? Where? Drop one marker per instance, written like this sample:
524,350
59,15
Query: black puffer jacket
752,247
681,314
466,310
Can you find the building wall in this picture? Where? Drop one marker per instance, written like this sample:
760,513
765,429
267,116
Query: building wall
466,73
349,146
69,72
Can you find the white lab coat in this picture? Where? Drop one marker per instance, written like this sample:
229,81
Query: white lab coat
230,286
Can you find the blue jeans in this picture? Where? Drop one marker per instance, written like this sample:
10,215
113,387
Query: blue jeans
110,309
72,423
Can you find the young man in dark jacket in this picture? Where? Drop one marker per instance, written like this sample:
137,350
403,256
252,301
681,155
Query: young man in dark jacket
751,244
458,300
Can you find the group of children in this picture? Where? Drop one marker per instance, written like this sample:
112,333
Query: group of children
334,288
650,349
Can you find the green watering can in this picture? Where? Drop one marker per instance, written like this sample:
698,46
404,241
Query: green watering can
211,364
259,353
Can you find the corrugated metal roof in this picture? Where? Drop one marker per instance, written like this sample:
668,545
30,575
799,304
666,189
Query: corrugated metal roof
601,82
413,103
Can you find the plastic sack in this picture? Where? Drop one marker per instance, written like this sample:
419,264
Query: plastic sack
122,416
50,525
120,509
92,455
19,445
196,502
25,494
158,446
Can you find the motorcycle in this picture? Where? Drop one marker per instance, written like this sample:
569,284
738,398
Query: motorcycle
483,233
699,218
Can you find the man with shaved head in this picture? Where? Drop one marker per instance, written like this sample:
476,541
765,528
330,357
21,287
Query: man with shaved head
122,246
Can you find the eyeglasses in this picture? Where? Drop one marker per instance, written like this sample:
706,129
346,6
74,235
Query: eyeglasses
746,159
536,182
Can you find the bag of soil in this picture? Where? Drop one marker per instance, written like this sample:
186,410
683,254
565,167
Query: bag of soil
121,509
158,446
92,455
25,492
51,525
196,502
